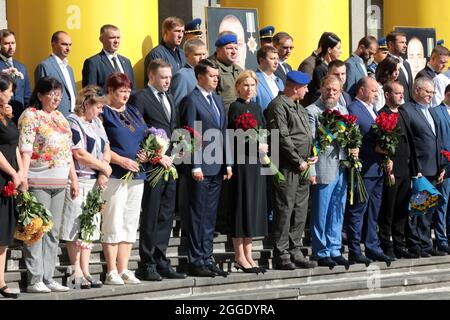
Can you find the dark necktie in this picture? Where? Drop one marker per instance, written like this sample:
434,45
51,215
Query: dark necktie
163,105
116,64
215,109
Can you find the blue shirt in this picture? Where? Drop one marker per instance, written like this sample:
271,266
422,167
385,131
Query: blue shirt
175,58
125,131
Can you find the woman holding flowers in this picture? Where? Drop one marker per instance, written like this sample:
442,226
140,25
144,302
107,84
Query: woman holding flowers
10,165
125,129
248,185
45,144
91,155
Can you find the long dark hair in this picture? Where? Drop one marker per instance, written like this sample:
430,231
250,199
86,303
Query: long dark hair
5,82
43,86
329,41
386,68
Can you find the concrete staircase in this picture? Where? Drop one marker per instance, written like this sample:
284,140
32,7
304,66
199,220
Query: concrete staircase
403,277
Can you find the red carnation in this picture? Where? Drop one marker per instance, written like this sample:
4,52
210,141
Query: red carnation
446,154
9,190
155,160
349,119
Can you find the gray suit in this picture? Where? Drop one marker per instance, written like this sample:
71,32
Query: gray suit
355,72
183,82
50,68
327,168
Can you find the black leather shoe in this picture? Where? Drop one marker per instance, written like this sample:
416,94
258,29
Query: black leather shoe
425,254
403,253
201,271
148,274
390,253
379,257
10,295
171,274
415,251
305,264
246,270
326,262
341,261
285,266
358,258
439,252
444,248
217,270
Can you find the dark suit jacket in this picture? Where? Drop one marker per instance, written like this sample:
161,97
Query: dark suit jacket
402,79
49,67
400,158
22,93
152,112
428,145
195,107
280,73
97,68
308,65
370,159
443,119
426,72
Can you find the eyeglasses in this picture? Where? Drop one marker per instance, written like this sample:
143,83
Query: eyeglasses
428,91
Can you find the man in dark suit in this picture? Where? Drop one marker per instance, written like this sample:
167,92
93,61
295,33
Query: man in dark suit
169,49
362,108
290,197
438,62
397,46
17,70
158,203
442,115
337,68
428,145
97,69
56,66
394,205
284,43
207,169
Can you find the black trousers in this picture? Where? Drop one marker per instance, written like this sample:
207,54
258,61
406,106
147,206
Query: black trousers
394,214
158,207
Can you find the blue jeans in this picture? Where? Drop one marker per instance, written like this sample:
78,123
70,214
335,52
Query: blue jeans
328,206
442,217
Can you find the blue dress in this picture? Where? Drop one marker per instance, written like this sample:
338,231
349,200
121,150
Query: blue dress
125,131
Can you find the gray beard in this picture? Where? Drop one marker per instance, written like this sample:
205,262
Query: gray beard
329,104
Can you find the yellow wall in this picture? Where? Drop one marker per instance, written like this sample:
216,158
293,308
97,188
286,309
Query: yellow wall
34,21
418,13
304,20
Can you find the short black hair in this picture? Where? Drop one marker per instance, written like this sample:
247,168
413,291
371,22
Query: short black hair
202,67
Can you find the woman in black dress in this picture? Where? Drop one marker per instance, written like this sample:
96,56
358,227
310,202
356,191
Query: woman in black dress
249,218
10,163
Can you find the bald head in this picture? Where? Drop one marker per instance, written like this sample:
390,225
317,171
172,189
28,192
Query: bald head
367,90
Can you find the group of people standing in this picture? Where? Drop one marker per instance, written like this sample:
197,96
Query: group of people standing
65,144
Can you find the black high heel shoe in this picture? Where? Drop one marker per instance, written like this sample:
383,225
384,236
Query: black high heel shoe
246,270
262,269
8,294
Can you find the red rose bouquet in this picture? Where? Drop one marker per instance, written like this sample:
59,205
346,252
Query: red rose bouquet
387,134
9,190
351,138
446,154
246,121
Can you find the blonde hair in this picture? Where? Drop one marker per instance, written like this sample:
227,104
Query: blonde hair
241,78
89,94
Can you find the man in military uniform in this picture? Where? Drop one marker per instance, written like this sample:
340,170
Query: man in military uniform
290,118
225,56
193,29
266,35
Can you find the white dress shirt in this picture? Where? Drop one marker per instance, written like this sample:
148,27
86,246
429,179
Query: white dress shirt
369,108
63,67
110,56
272,84
441,81
164,101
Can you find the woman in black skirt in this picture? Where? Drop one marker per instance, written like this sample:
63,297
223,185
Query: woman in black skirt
10,164
249,218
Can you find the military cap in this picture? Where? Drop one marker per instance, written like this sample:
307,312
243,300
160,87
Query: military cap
382,45
226,39
193,27
440,42
267,32
298,77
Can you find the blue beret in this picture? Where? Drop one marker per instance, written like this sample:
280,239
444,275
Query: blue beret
193,26
440,42
226,39
298,77
266,32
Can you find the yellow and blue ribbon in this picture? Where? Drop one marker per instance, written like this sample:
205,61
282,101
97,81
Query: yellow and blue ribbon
327,133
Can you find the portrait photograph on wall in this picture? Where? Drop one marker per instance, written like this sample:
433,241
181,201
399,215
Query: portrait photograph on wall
421,41
244,23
